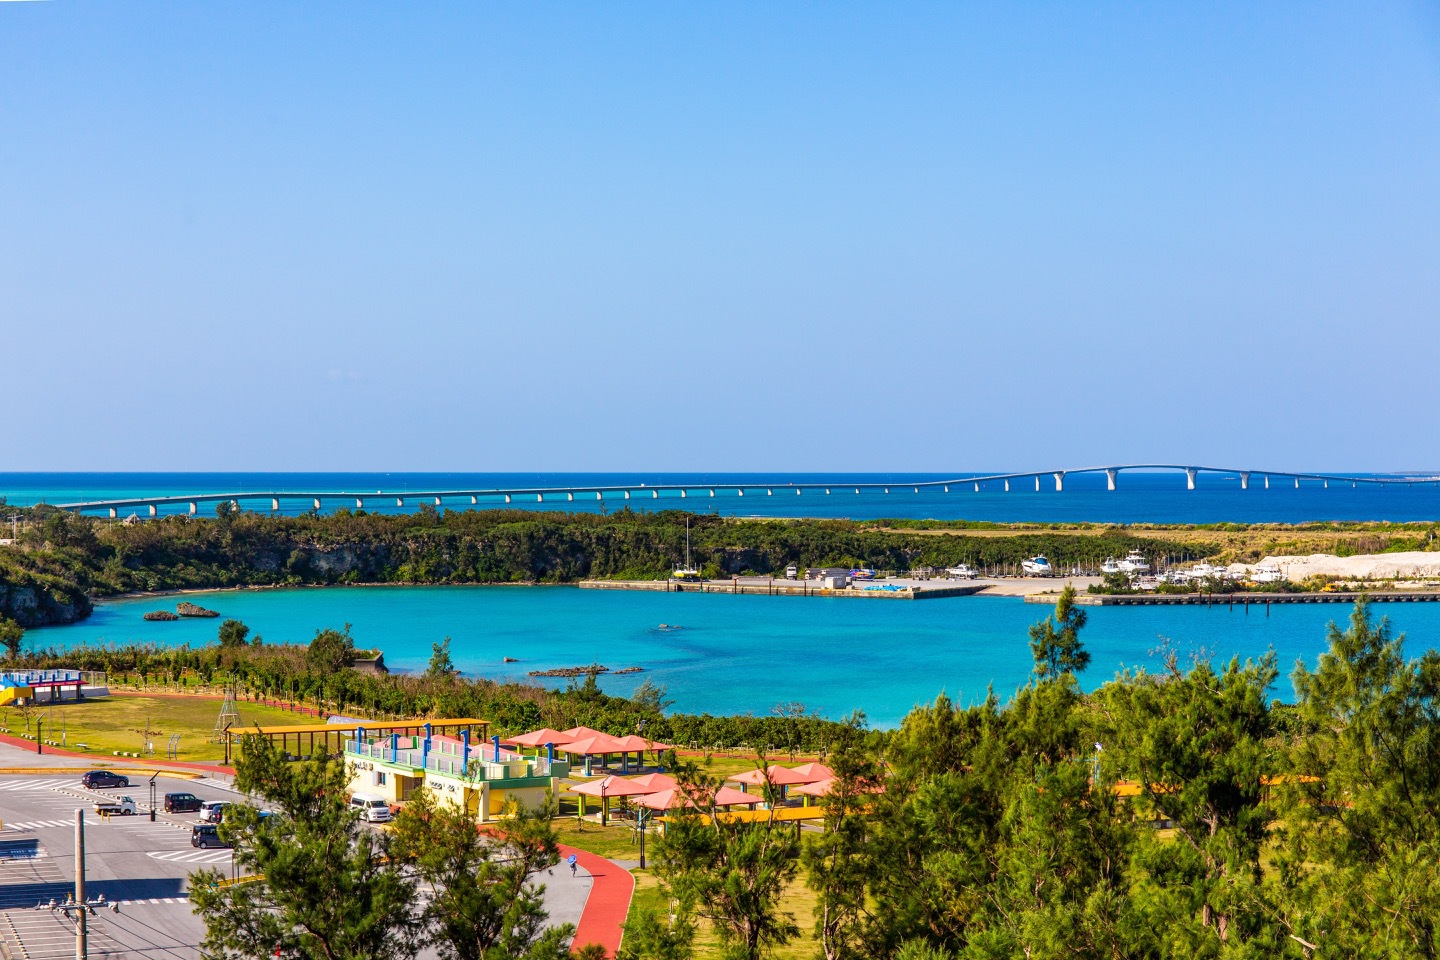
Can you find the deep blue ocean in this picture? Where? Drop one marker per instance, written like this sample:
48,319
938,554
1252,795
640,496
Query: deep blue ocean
1140,497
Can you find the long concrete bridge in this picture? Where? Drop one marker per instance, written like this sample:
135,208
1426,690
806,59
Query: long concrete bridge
623,492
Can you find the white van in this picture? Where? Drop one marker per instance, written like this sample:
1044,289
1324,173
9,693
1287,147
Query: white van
371,808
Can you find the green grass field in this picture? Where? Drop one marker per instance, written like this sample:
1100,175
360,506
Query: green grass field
120,721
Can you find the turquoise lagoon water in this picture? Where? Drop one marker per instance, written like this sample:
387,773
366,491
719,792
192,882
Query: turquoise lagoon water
738,654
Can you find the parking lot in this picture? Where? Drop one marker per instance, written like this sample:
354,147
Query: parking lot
139,865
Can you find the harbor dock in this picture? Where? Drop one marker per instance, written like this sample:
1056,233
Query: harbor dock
898,589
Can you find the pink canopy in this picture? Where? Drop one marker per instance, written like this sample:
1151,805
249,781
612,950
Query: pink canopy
674,798
538,738
580,733
817,772
611,787
779,776
822,788
593,746
655,782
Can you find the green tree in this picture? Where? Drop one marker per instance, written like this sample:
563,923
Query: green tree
1362,799
485,903
838,864
11,636
1055,641
233,634
329,889
441,666
331,651
1196,747
731,873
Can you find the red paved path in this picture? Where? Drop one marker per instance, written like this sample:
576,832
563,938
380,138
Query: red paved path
609,901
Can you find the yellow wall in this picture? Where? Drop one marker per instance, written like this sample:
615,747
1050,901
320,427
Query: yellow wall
363,775
531,798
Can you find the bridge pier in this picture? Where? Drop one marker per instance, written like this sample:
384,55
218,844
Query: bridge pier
1059,481
1244,480
1189,478
1110,474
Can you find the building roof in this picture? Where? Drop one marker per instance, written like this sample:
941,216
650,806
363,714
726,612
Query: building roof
777,775
610,787
369,726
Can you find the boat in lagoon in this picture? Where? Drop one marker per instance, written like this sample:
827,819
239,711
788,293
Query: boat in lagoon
961,571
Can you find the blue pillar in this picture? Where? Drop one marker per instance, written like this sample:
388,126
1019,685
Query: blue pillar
550,752
394,747
465,751
359,738
425,755
496,741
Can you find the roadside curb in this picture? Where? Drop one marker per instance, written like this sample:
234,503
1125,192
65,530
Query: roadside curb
611,889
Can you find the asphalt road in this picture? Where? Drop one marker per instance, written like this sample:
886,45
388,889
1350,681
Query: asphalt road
141,866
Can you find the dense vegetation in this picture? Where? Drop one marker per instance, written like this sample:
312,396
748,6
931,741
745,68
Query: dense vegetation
64,559
1172,815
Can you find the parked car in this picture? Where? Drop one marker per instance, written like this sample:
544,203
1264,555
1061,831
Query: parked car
213,811
124,807
371,808
182,803
101,779
206,835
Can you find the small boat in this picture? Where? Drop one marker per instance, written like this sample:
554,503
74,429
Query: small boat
864,573
961,571
1111,565
1036,567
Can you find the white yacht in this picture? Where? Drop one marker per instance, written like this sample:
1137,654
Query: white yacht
1267,573
1111,565
1134,564
1202,570
686,572
961,571
1036,567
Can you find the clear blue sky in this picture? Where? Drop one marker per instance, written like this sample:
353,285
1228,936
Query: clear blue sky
763,236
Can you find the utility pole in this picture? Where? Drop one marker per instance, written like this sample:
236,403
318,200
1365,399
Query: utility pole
82,947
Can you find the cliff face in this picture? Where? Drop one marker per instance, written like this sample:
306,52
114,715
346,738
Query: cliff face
32,604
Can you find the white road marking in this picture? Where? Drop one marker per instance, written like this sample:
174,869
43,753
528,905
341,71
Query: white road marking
191,856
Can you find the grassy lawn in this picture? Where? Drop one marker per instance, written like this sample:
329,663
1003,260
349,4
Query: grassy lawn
119,723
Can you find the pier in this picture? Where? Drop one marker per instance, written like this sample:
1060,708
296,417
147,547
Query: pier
768,587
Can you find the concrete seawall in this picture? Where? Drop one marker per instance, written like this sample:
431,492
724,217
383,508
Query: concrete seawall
758,586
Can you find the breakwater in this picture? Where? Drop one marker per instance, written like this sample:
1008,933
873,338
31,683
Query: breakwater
760,586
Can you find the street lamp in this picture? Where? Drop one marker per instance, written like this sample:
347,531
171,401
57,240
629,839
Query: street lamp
152,796
640,822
